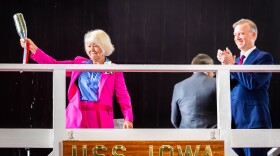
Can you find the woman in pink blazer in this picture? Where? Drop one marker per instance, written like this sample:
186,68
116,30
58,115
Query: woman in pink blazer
90,94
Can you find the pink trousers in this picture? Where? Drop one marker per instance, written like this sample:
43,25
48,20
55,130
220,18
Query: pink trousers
95,115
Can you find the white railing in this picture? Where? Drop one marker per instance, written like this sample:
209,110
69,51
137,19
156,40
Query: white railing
51,138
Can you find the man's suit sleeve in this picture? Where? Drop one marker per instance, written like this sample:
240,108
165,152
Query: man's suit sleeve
175,114
254,80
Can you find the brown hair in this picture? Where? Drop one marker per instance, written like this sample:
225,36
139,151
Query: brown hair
202,59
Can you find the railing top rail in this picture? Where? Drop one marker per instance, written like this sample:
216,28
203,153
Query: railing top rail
138,67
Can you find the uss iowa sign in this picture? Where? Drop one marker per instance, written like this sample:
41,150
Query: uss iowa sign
143,148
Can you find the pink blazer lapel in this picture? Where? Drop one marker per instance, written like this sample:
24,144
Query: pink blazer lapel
72,90
102,82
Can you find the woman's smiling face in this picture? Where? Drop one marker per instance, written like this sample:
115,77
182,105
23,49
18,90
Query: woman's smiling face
95,53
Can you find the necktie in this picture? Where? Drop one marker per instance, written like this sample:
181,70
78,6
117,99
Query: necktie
241,59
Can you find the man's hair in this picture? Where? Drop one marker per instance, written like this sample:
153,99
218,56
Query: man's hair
202,59
253,26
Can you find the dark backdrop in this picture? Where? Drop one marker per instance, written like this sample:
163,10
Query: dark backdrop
143,32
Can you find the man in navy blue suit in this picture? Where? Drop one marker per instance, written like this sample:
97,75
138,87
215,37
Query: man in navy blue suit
249,91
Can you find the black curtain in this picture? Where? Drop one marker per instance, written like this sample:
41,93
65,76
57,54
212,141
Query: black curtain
143,32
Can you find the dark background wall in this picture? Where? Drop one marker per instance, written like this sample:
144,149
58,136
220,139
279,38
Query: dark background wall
143,32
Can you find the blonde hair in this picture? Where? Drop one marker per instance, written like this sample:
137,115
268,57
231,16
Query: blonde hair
100,38
253,26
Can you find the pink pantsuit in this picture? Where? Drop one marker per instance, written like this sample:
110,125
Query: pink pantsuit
83,114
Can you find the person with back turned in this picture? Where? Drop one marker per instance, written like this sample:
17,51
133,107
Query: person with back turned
90,93
249,90
194,101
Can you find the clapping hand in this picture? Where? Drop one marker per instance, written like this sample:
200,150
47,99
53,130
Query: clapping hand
226,57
